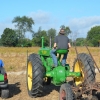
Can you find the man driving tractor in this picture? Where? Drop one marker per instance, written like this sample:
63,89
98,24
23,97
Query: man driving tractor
60,42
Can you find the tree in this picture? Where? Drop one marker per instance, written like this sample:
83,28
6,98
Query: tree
24,24
93,36
0,42
19,34
20,38
25,42
9,37
51,34
67,29
99,43
80,41
37,37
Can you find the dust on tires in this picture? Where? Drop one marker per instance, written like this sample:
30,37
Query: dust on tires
35,72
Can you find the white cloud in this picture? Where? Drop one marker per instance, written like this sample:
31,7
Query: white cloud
44,19
40,17
4,25
83,25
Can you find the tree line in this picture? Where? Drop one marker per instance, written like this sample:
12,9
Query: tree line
16,37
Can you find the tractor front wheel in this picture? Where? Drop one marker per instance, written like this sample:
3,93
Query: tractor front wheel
66,92
35,72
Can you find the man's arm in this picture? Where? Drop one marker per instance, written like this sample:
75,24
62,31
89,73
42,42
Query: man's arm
55,45
69,45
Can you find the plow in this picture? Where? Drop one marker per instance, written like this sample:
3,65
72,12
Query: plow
40,70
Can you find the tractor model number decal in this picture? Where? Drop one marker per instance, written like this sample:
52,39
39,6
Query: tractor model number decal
44,52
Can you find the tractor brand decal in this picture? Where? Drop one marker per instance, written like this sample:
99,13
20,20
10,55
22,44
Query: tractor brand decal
44,52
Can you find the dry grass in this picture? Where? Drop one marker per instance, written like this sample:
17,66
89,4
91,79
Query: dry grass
95,51
15,59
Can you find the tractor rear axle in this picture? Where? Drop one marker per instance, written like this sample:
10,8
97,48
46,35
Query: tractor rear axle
60,73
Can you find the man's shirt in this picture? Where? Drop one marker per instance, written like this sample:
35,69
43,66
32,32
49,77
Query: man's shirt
62,41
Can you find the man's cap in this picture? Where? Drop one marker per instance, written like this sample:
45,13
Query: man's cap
62,31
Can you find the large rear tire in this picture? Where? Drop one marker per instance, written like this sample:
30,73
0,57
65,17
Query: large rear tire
66,92
85,65
35,74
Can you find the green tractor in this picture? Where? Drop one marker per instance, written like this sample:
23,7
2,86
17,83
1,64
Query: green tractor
40,69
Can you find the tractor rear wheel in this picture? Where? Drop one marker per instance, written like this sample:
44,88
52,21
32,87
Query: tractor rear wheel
85,65
35,73
66,92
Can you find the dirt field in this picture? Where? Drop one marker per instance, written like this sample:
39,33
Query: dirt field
15,60
18,90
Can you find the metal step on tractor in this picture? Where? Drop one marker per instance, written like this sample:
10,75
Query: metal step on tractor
40,70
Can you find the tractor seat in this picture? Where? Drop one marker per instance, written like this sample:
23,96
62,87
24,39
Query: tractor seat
62,51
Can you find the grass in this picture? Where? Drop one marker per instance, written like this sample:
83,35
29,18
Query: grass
15,58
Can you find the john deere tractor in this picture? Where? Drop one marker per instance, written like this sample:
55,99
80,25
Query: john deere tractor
40,69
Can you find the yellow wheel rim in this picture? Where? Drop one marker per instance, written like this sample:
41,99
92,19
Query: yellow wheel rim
79,68
29,75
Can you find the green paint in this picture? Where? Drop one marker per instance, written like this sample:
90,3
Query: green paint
1,77
59,74
44,51
62,51
48,68
42,42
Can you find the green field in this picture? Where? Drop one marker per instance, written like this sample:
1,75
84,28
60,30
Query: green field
15,58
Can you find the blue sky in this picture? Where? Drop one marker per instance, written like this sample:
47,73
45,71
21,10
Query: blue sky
79,15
